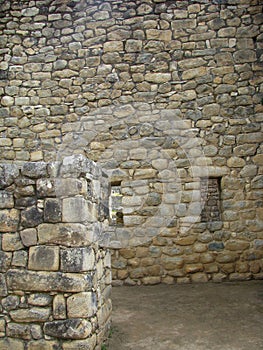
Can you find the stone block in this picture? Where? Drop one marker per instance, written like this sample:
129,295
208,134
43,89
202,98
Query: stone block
59,307
15,330
77,259
47,281
82,305
9,220
34,314
11,242
19,258
52,210
11,344
158,78
74,235
78,209
6,200
192,268
29,237
43,258
31,217
88,344
68,329
5,261
199,277
39,299
151,280
237,245
35,170
133,45
3,286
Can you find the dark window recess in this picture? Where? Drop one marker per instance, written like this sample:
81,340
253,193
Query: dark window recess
210,194
116,214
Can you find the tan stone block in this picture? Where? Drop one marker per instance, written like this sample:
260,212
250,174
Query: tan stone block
191,268
147,262
59,307
236,162
11,344
29,237
11,242
188,240
194,73
82,305
89,343
151,280
122,274
171,263
158,78
9,220
211,268
154,270
199,277
226,257
237,245
240,276
127,253
227,268
34,314
43,258
42,344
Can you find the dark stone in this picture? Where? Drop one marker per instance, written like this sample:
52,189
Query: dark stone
5,261
25,202
35,170
52,210
3,289
216,246
75,328
31,217
3,74
8,172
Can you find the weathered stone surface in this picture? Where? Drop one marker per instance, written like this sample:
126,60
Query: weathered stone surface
68,329
31,217
43,258
9,220
29,237
59,307
10,344
44,281
30,315
6,200
77,259
82,305
78,210
11,242
52,210
74,235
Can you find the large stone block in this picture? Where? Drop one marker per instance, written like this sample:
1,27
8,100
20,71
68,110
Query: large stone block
68,329
82,305
52,210
15,330
6,200
70,235
47,281
78,209
43,258
34,314
11,242
29,237
31,217
77,259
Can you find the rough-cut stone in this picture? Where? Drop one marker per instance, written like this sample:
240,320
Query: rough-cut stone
52,210
30,315
9,220
44,281
31,217
68,329
43,258
77,259
82,305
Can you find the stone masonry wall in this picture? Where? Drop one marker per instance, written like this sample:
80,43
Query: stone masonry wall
55,280
167,97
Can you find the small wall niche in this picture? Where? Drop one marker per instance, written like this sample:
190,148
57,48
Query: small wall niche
115,204
210,194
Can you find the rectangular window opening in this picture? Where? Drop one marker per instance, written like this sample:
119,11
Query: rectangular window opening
211,198
115,204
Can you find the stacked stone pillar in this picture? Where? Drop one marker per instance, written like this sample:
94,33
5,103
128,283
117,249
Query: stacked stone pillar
55,279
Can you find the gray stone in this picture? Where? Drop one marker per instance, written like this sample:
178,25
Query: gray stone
77,259
82,305
68,329
217,246
47,281
9,220
31,217
34,314
52,210
43,258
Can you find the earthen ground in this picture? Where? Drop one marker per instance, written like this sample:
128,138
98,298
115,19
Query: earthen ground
226,316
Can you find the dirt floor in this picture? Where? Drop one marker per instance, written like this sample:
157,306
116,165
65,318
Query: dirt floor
225,316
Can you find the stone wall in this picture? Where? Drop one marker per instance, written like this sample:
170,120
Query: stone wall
167,97
55,279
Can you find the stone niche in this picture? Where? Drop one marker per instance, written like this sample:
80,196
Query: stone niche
55,279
